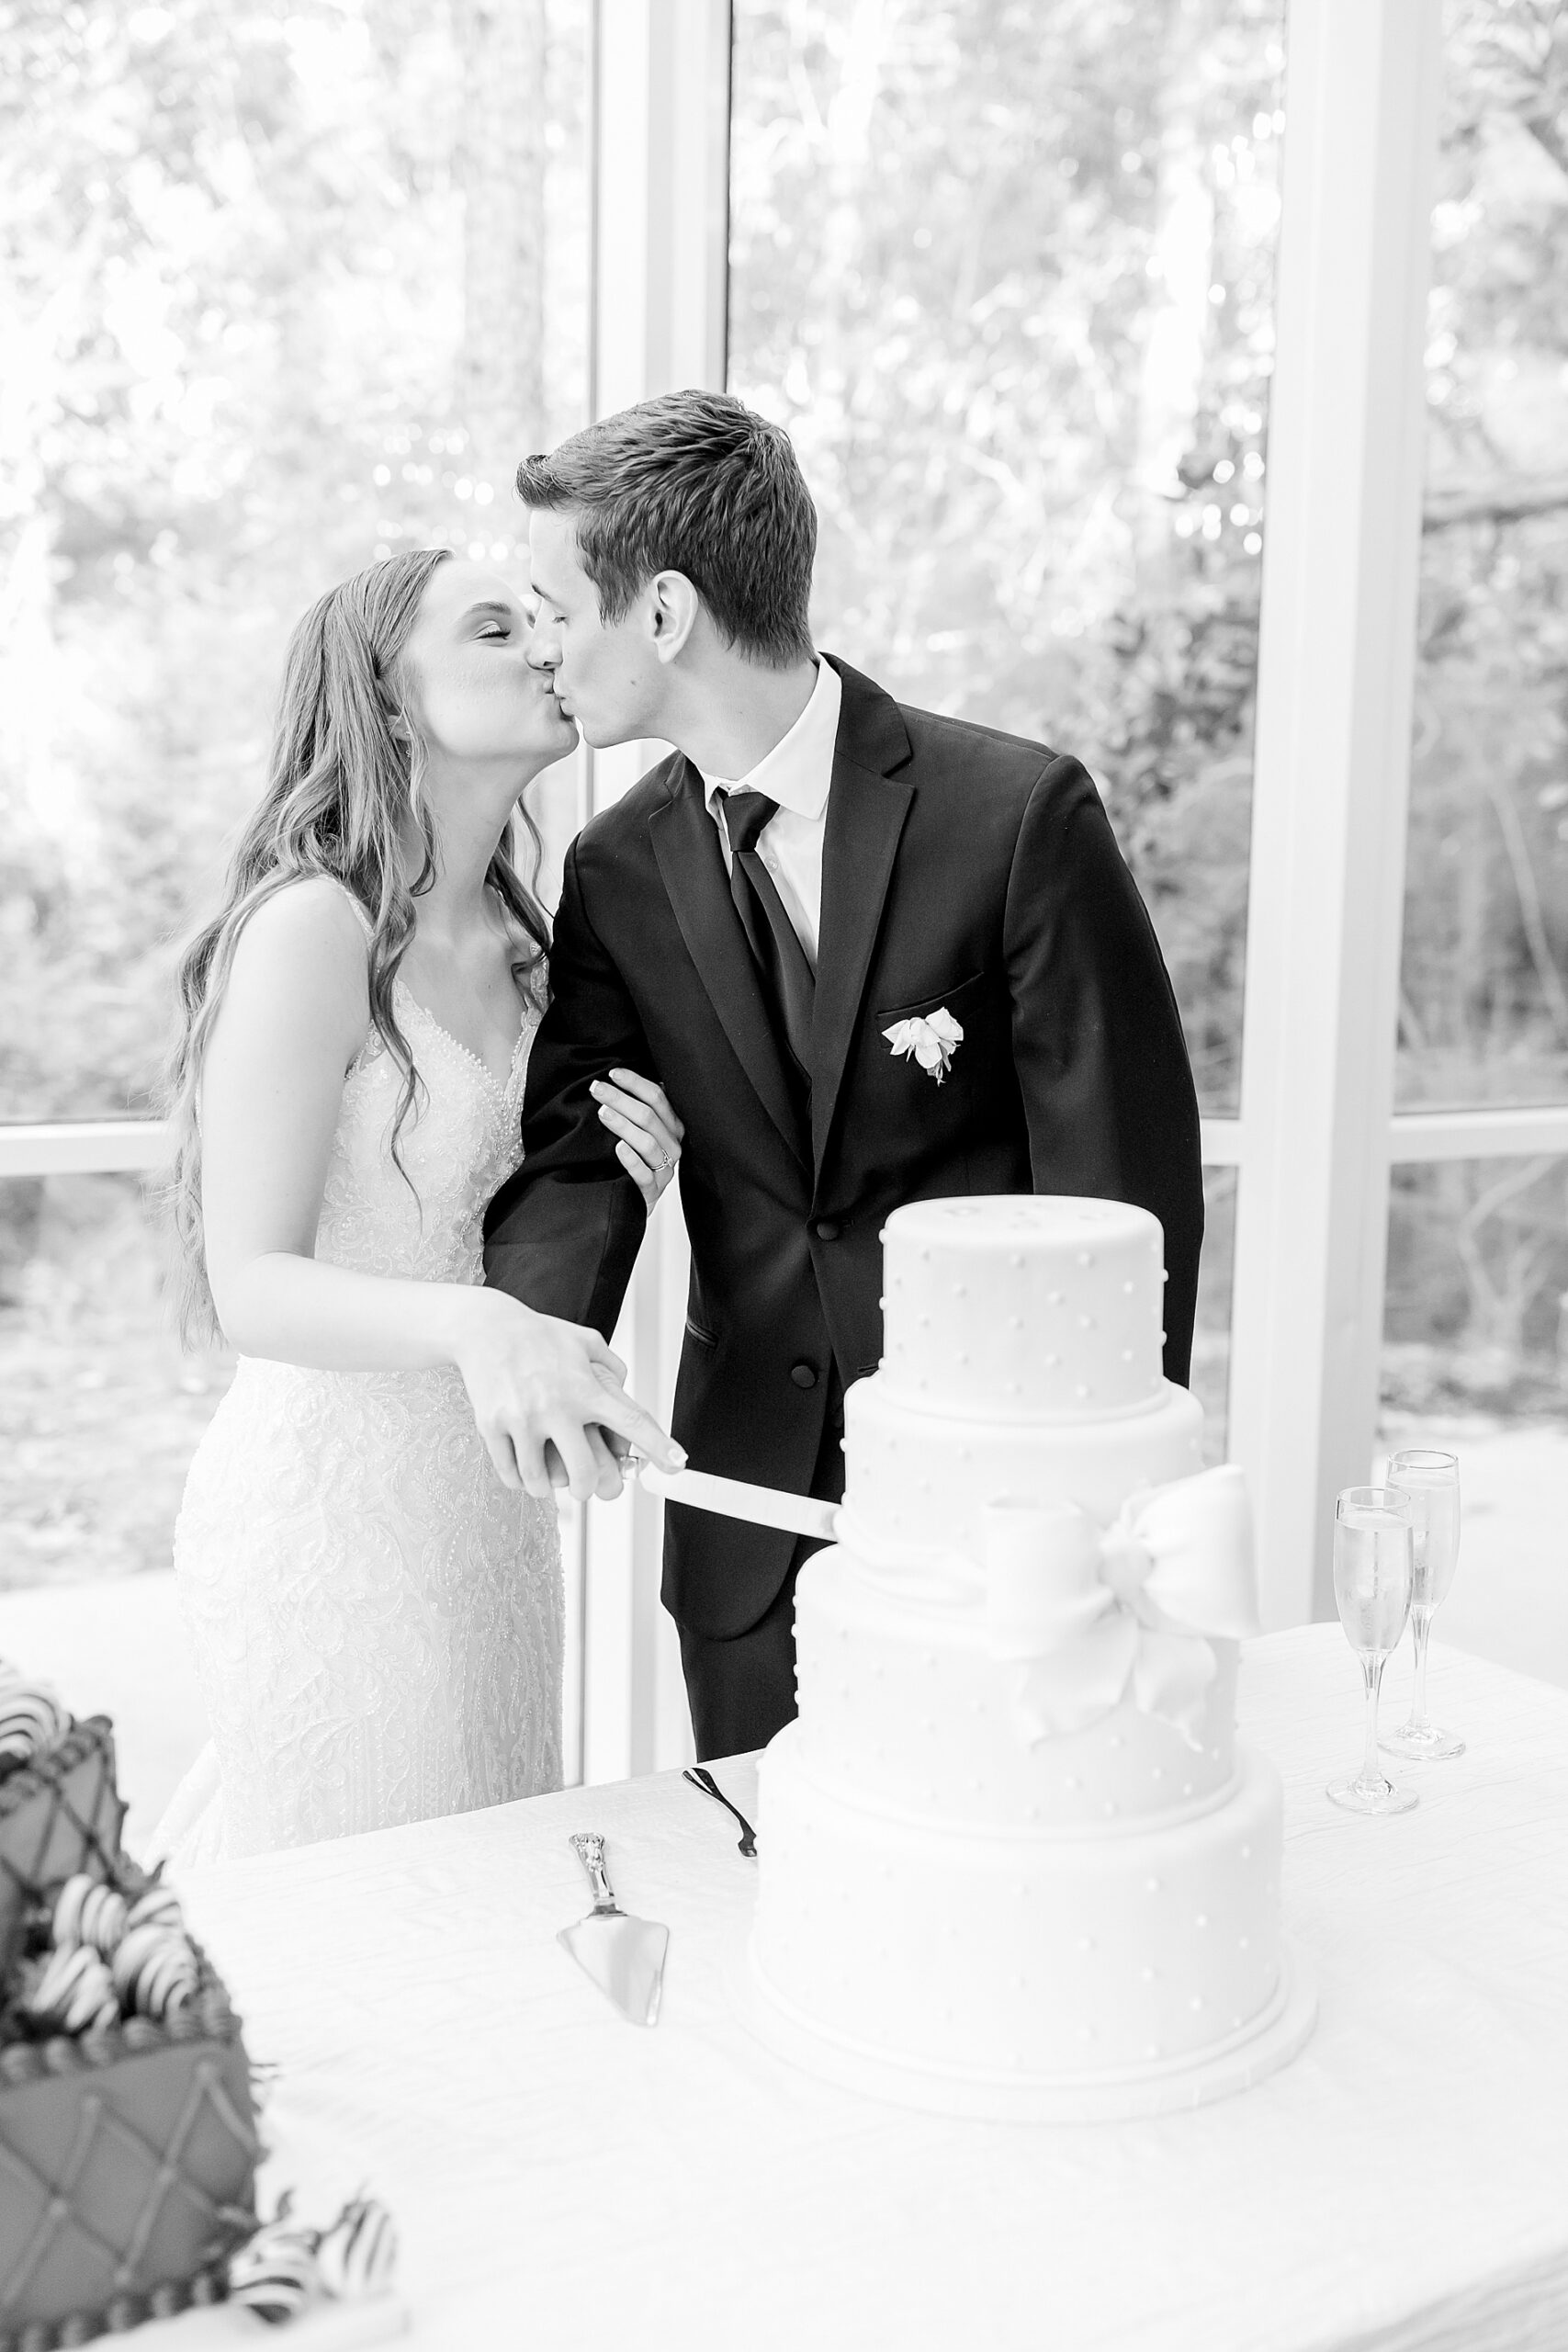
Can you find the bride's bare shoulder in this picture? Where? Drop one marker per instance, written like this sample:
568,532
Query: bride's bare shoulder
314,907
304,949
315,918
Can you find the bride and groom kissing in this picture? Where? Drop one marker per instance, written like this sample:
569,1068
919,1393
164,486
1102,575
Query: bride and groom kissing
832,953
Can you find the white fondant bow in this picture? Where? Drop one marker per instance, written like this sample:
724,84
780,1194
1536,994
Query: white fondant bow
1094,1617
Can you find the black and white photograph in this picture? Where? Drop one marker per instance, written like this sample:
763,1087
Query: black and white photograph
784,1175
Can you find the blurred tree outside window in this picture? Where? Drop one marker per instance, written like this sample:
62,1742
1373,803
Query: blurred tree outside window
1006,274
283,288
1477,1308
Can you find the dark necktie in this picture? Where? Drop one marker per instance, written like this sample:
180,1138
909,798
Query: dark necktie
787,981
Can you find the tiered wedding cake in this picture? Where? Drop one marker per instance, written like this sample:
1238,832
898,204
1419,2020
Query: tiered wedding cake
1012,1860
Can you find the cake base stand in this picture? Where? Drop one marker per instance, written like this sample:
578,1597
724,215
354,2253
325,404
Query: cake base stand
1271,2040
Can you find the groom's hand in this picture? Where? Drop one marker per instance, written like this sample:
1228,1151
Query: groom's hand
547,1393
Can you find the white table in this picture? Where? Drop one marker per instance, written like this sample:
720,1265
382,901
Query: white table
564,2179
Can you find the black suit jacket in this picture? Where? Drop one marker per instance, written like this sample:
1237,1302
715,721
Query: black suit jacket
961,868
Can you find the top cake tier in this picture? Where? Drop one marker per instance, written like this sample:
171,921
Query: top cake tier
1022,1308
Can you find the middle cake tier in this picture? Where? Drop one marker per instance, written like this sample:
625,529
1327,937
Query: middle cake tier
903,1701
919,1481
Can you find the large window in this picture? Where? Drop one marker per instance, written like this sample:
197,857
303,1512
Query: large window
275,282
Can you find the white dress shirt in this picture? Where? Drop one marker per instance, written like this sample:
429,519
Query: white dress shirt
797,774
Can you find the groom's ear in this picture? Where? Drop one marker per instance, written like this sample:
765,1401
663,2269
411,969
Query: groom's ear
673,606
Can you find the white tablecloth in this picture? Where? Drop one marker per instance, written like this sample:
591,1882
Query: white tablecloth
564,2179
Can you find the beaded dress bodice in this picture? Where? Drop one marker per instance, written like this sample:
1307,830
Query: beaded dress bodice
424,1223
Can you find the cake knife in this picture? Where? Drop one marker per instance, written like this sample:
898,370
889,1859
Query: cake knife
735,1499
623,1956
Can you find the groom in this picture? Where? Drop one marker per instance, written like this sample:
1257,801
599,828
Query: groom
872,955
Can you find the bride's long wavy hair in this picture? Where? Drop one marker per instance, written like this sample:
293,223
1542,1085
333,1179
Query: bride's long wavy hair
343,790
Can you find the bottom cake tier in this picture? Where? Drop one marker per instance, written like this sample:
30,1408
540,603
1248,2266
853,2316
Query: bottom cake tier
1068,1975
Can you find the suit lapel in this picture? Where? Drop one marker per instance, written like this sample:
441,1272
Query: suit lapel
866,810
692,863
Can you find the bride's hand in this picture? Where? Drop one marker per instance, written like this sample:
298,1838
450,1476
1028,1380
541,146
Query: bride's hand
639,1112
535,1384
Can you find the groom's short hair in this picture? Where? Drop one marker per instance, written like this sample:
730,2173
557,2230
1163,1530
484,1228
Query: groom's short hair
694,483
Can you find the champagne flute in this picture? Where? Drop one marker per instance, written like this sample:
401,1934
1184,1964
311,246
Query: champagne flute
1431,1480
1373,1568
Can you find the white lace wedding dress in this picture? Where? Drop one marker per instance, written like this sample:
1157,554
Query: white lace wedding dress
376,1620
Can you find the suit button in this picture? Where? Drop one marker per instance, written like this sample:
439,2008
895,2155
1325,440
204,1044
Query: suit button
803,1374
828,1228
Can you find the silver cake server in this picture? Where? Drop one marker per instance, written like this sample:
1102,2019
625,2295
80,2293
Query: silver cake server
623,1956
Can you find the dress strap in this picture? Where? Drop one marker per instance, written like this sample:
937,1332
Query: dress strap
365,923
370,1045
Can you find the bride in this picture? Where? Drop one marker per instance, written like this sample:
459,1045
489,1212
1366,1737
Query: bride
366,1555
